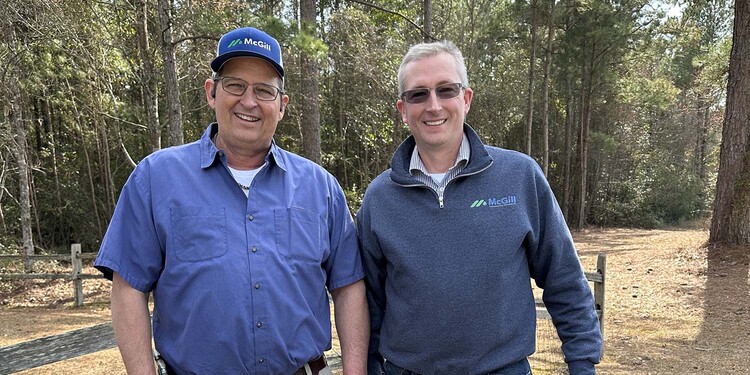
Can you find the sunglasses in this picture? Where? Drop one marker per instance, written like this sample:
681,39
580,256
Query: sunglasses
446,91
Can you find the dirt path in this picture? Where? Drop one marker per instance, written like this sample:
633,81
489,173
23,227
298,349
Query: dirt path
670,309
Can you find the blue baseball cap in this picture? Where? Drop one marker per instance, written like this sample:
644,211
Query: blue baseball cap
248,42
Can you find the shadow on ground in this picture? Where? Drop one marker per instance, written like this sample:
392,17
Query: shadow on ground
726,325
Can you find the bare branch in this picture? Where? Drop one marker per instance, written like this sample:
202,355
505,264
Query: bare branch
395,14
197,37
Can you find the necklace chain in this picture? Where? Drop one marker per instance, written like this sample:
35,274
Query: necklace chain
243,187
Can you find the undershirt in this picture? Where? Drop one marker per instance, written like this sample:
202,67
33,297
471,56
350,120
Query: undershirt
245,178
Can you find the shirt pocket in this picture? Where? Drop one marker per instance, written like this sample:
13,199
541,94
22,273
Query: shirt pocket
200,233
298,234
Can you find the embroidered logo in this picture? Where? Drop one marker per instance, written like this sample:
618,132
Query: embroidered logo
257,43
495,202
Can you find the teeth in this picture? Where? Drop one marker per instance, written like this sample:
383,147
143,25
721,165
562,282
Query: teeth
434,123
247,118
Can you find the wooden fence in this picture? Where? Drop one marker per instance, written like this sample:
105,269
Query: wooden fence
76,276
43,351
597,278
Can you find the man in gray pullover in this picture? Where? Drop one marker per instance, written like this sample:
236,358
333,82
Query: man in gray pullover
453,233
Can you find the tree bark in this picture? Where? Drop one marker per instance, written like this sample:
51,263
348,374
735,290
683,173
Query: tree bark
532,71
309,88
148,79
569,118
53,150
427,21
586,91
702,142
19,139
171,82
731,217
3,178
545,97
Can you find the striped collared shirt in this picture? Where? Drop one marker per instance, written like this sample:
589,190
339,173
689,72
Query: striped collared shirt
419,171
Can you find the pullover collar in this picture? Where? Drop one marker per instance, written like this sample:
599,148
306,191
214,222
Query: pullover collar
400,164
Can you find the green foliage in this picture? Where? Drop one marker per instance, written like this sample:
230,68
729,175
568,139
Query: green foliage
624,207
651,95
656,85
674,195
311,45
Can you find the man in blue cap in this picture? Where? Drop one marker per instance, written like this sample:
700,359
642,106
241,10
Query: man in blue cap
238,240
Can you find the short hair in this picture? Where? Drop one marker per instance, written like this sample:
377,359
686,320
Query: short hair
424,50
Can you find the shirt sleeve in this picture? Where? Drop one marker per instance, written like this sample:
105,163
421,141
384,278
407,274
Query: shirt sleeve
131,246
556,268
344,265
375,270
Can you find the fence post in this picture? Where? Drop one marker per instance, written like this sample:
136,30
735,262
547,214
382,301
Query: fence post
601,268
75,257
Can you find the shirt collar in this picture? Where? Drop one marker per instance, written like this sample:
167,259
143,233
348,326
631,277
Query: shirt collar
209,151
464,152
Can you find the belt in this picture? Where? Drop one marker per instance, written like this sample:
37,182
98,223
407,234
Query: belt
315,366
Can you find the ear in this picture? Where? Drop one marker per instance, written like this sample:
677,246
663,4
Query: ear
282,106
468,95
210,87
401,106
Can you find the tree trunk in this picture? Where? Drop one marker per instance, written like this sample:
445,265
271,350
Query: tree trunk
53,152
532,64
309,87
89,170
545,98
148,79
171,82
3,188
586,91
427,20
33,201
702,143
569,118
19,139
731,219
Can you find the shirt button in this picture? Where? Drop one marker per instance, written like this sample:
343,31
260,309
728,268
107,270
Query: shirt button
259,324
250,217
261,360
257,285
254,249
441,188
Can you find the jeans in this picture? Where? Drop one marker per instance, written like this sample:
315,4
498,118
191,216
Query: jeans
521,367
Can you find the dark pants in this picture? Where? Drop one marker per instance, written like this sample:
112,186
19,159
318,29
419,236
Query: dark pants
521,367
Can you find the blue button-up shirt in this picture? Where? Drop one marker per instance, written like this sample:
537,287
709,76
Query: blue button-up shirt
239,283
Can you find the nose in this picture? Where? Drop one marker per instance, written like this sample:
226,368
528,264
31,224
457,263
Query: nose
433,102
248,99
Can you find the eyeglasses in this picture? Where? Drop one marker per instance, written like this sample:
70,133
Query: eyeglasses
446,91
237,87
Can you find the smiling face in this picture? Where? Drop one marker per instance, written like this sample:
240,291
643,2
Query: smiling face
437,124
246,124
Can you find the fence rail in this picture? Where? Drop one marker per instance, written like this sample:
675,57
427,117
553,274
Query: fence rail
76,276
